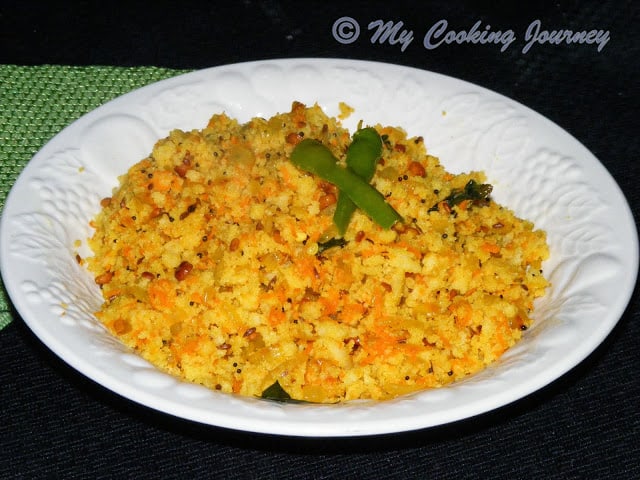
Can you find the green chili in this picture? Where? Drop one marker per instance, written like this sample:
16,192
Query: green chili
362,158
314,157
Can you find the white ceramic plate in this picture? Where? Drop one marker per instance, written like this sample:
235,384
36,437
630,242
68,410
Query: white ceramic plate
536,168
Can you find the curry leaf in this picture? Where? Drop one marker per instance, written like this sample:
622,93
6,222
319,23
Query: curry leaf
472,191
333,242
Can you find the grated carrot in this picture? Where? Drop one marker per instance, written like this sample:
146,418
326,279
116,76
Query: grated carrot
161,294
490,247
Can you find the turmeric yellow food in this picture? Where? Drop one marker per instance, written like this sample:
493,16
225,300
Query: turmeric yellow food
220,263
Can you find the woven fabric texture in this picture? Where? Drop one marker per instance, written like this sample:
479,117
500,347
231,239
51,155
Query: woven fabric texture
38,102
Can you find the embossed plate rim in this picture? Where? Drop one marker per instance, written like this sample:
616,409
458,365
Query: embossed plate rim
137,111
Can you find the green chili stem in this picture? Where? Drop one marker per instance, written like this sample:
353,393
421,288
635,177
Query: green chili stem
362,158
314,157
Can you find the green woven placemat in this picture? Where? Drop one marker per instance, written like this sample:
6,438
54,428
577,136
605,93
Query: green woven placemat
37,102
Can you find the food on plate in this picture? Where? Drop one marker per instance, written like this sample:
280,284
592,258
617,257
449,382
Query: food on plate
288,258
